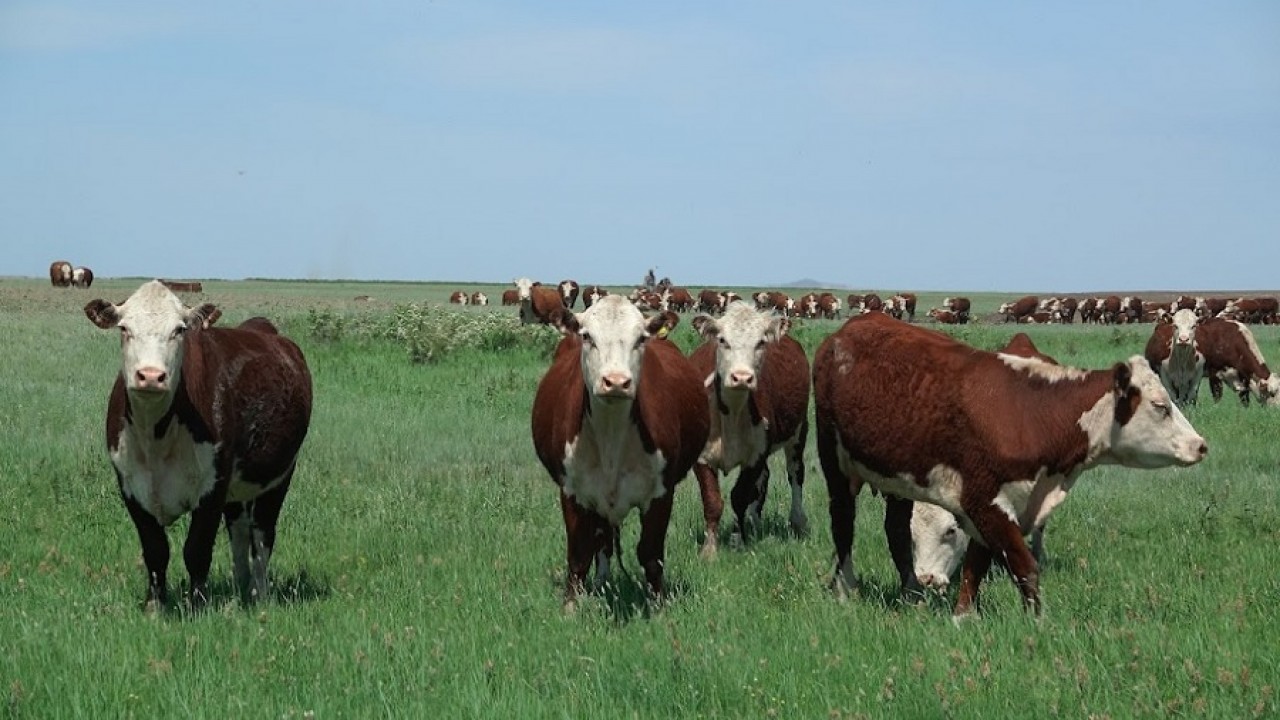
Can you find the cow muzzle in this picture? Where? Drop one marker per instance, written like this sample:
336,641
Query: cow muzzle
615,385
150,379
740,380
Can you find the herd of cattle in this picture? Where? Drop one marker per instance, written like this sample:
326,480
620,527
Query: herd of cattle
64,274
961,443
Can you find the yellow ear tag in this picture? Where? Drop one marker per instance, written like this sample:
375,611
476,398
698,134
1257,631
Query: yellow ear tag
662,331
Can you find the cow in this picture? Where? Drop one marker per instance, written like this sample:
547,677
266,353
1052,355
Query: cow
870,303
1018,309
1210,307
538,304
678,299
959,307
996,439
1232,356
946,317
1038,317
906,302
592,294
479,298
710,302
618,419
207,421
60,273
1131,310
757,391
459,297
938,542
511,297
1065,310
1171,352
828,306
568,292
82,277
1182,302
1089,311
182,286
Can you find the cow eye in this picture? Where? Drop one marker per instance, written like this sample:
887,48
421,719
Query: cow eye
587,339
949,533
723,343
125,333
1162,408
178,331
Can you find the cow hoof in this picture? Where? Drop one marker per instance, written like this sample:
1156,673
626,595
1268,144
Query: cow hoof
709,550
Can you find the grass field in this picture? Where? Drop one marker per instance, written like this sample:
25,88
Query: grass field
419,567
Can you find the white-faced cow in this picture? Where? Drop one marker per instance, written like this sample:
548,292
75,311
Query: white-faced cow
60,273
207,421
538,304
1231,356
710,302
568,292
1171,351
1017,310
459,297
591,294
757,389
479,298
995,439
82,277
618,420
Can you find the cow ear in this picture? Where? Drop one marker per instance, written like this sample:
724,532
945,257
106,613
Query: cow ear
1128,396
781,326
705,326
204,316
661,324
102,313
564,321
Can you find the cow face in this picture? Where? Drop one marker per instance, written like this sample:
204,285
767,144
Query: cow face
741,336
613,333
153,324
524,286
937,543
1266,389
1147,429
1184,328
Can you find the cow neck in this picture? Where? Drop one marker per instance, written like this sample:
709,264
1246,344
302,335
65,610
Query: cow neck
734,407
611,419
1071,418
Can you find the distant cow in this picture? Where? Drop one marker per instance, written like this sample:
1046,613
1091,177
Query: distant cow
945,317
591,294
757,388
568,292
1210,307
1232,356
1015,311
511,297
182,286
459,297
202,420
82,277
711,302
996,439
828,306
1089,311
1171,351
479,298
618,420
538,304
906,303
678,299
60,273
870,303
959,307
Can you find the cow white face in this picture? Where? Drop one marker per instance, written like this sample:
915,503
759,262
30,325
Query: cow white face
1268,390
153,324
741,336
1147,428
1184,327
524,286
938,544
614,333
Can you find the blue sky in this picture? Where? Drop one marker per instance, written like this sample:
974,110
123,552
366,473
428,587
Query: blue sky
900,145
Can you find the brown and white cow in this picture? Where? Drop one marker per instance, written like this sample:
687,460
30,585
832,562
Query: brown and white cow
870,303
538,304
619,418
678,299
938,542
60,272
710,302
591,294
1210,307
995,439
957,306
1231,356
945,317
905,303
1171,351
479,298
757,389
1089,311
1110,310
207,421
459,297
568,292
511,297
82,277
1018,309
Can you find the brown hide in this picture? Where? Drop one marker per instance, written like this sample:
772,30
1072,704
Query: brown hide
1225,346
1022,346
60,273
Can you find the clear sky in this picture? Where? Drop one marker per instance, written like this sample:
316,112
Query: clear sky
900,145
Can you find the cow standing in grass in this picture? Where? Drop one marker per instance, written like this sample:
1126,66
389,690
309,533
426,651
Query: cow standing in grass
207,421
757,380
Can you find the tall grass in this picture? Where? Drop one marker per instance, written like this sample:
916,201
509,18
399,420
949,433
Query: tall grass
421,555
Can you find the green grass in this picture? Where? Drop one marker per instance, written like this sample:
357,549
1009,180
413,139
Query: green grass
421,554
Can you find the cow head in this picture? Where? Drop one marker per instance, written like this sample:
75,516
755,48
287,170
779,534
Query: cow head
1146,429
1267,389
1184,328
938,544
524,286
153,324
614,334
741,337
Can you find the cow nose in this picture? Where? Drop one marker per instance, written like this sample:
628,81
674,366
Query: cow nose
151,378
615,383
930,580
742,378
1204,449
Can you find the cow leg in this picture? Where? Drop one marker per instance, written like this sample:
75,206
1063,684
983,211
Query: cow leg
604,556
197,551
897,531
795,477
748,494
1037,545
712,507
266,513
155,552
587,534
1215,387
652,548
843,492
977,561
1004,541
238,518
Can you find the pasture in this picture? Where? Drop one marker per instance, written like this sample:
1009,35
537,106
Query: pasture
420,559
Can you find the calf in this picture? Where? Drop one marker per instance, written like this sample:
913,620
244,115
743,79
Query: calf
995,439
1172,354
618,420
946,317
959,307
757,388
1231,355
203,420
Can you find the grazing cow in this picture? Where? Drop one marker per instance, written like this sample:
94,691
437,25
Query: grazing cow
995,439
511,297
479,298
203,420
1171,352
1232,356
591,294
538,304
459,297
946,317
757,388
568,292
958,306
711,302
938,542
1210,307
1015,311
82,277
1089,311
618,420
1036,318
60,273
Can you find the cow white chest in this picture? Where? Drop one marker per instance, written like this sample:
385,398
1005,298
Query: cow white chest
1030,502
1183,368
607,469
734,441
167,476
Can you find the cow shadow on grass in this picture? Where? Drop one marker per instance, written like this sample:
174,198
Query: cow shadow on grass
225,596
625,597
771,526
